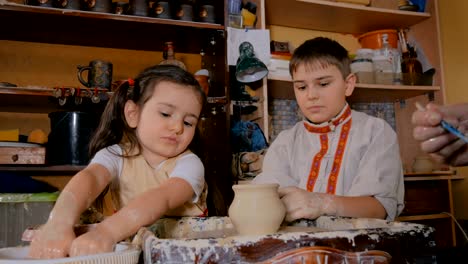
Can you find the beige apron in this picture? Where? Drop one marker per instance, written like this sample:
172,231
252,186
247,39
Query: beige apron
138,176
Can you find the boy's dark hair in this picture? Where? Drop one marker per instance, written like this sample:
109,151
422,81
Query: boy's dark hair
113,128
321,52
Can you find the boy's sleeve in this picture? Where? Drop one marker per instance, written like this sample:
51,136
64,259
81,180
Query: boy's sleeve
380,172
276,167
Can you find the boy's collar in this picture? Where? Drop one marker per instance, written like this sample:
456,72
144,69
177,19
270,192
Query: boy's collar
330,125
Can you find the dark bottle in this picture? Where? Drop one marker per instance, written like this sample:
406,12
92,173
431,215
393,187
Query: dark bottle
411,67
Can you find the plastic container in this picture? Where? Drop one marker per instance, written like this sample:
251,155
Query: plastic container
364,70
373,39
69,137
19,211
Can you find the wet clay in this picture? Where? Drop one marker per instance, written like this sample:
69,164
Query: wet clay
256,209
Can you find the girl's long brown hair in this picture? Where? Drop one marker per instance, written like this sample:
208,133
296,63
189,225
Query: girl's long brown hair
113,127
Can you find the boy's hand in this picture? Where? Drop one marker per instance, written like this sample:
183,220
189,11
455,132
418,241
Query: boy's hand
97,240
303,204
51,241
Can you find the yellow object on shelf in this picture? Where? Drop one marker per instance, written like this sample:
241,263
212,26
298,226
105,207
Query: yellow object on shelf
9,135
37,136
248,18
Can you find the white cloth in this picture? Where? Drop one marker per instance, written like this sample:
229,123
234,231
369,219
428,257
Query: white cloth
188,167
371,163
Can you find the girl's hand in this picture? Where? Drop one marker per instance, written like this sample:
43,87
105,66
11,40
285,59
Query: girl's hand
51,241
97,240
303,204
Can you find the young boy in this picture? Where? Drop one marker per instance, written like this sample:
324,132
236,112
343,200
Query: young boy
336,161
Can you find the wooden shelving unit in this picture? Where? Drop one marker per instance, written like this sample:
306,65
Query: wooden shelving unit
428,198
75,30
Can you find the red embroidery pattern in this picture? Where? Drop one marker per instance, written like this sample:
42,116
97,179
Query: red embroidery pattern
314,171
333,178
326,129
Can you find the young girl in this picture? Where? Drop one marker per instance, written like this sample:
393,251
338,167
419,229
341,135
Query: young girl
141,154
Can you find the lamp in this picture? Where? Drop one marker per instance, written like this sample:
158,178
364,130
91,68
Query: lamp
249,68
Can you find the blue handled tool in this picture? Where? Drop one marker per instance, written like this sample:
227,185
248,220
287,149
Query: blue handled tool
453,130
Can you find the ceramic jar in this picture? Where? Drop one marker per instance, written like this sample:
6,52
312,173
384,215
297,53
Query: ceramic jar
423,164
256,209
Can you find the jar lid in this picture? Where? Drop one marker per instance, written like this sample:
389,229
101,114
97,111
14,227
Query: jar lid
361,60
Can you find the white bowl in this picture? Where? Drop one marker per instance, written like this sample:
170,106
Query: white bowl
125,253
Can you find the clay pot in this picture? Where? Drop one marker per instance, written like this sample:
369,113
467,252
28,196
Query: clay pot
256,209
423,164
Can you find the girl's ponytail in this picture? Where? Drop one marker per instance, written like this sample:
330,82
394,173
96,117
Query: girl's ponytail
113,125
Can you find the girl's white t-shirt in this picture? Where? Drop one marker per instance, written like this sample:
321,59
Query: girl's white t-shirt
189,167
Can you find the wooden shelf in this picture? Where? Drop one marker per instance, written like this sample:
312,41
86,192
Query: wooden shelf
337,17
40,100
281,87
96,29
434,178
435,175
42,169
388,93
422,217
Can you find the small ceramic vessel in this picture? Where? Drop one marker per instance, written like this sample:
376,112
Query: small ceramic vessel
256,209
422,164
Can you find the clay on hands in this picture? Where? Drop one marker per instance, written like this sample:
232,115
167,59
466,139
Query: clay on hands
51,241
98,240
55,237
303,204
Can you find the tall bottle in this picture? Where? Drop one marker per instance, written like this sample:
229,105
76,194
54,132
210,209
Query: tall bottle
169,56
411,67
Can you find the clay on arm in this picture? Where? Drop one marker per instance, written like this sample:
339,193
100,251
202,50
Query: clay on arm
79,194
147,208
360,206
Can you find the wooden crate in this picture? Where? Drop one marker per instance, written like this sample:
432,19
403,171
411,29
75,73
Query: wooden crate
22,155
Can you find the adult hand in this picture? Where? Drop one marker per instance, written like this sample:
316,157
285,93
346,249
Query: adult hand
303,204
441,145
51,241
97,240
